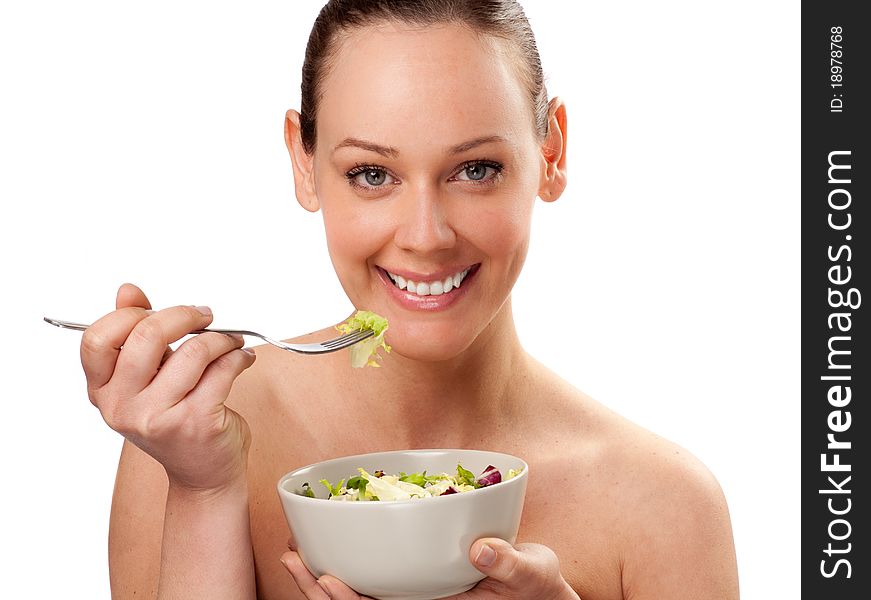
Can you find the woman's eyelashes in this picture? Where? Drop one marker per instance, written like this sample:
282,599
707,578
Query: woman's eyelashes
479,172
368,177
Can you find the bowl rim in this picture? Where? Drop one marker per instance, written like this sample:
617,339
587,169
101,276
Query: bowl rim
294,497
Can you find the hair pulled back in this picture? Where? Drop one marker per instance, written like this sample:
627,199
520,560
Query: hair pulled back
503,19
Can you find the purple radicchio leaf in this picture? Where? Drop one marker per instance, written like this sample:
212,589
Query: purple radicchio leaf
450,490
490,476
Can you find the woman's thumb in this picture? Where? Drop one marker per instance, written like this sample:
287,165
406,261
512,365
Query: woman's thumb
130,295
527,566
497,559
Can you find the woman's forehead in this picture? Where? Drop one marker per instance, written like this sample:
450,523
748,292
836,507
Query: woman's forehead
442,81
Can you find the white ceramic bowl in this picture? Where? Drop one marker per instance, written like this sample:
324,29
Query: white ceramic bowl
408,549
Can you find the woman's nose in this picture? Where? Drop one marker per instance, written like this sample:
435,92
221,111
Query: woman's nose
424,225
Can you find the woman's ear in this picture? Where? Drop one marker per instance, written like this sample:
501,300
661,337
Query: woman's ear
303,163
553,153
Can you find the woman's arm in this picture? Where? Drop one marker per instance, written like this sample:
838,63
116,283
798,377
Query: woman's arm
169,403
186,545
136,525
206,551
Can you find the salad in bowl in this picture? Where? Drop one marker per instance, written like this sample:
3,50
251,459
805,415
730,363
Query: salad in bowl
379,486
399,525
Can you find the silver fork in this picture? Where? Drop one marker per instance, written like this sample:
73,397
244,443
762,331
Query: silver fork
343,341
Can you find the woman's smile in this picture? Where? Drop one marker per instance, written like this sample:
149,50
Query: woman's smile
428,292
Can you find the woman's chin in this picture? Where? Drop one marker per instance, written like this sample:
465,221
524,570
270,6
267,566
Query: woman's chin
429,348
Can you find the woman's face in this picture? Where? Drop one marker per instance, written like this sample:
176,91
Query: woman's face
426,169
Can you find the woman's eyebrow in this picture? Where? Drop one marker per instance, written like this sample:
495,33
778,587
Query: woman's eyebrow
393,152
475,143
358,143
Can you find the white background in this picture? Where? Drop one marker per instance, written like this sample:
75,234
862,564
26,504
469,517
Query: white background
143,142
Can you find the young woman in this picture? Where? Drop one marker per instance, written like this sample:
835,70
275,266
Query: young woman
424,137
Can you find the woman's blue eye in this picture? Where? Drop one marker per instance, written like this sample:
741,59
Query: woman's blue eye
476,172
368,177
375,177
479,172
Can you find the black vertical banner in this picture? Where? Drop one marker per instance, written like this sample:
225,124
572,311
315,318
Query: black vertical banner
836,368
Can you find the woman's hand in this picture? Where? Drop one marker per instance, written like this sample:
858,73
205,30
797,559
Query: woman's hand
169,403
522,572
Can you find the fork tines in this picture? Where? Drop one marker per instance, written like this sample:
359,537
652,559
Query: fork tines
348,339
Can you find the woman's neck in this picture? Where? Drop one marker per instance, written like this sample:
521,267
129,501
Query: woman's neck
457,401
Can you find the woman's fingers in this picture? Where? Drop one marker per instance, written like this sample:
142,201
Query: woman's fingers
338,590
102,342
306,582
317,589
144,348
214,386
186,367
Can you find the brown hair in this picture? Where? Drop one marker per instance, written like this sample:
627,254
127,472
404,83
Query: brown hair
504,19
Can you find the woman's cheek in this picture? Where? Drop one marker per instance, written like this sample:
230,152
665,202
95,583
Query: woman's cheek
349,244
499,229
355,235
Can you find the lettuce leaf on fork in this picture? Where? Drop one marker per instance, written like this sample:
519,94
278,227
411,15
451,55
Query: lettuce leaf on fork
365,353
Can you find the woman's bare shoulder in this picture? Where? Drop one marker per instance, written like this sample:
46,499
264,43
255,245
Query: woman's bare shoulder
610,440
678,541
667,519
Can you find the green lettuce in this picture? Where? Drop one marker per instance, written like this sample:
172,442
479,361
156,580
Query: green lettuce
466,476
334,490
365,353
415,478
358,483
307,490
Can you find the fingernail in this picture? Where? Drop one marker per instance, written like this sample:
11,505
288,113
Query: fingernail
486,556
204,310
249,351
235,336
324,587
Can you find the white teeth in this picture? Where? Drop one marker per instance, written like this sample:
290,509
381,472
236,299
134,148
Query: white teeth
458,278
429,288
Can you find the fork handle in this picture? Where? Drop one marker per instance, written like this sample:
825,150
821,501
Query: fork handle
82,327
65,324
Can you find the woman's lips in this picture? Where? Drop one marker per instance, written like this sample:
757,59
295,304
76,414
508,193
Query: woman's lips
413,301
